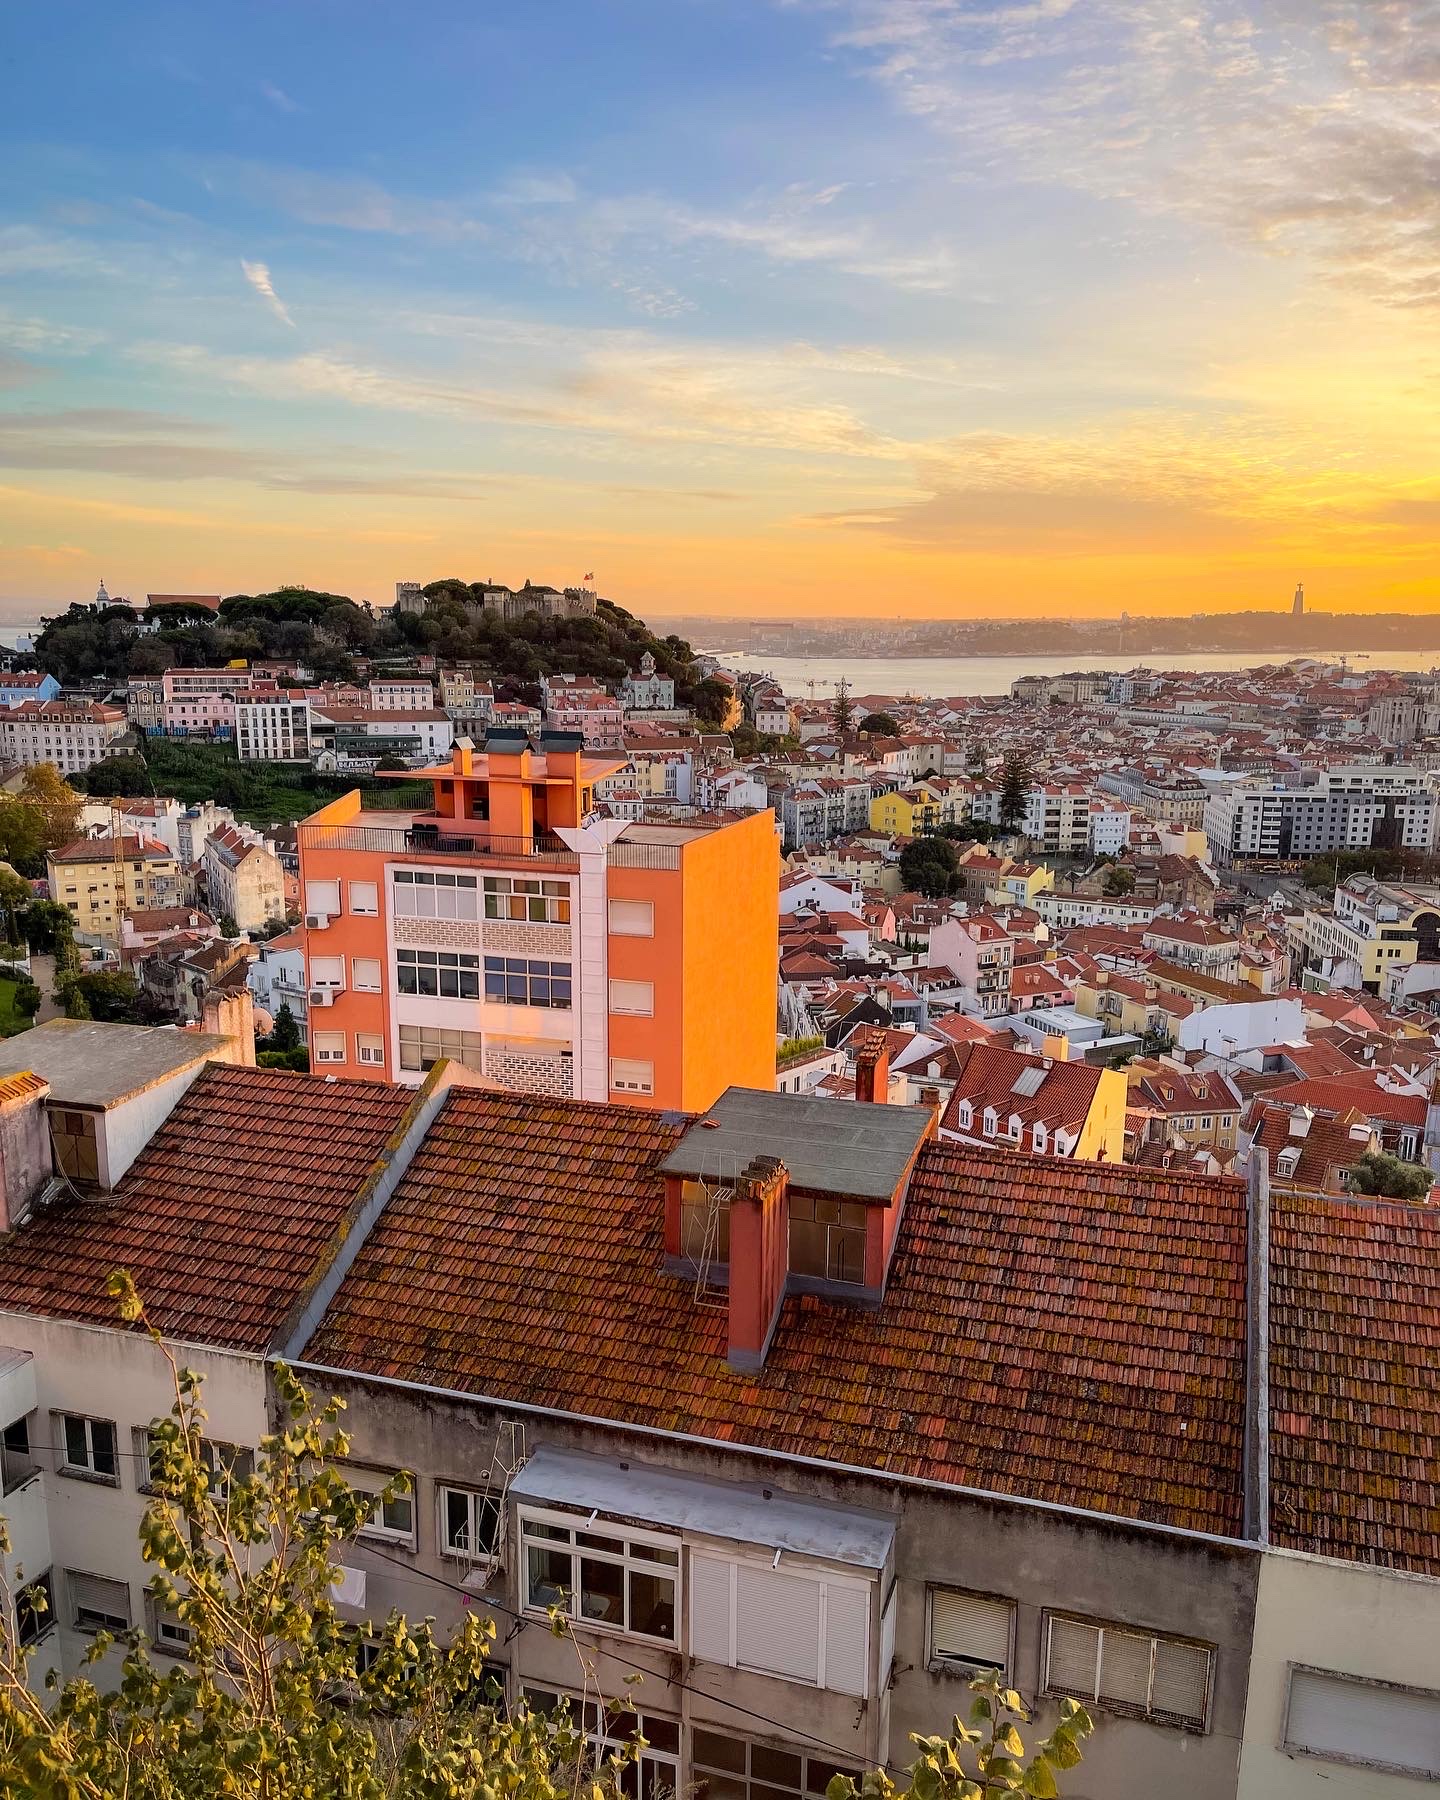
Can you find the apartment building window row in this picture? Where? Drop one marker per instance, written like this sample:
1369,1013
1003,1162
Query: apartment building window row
1141,1673
448,974
528,899
525,981
435,894
422,1046
628,1582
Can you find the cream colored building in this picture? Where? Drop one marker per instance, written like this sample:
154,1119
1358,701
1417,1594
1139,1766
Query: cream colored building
98,886
244,878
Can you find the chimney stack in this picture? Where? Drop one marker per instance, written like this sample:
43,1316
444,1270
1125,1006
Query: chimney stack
232,1016
872,1070
759,1260
25,1159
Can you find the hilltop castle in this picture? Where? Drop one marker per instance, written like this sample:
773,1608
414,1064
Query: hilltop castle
494,600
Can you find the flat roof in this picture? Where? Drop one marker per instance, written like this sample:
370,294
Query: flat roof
92,1062
745,1513
857,1149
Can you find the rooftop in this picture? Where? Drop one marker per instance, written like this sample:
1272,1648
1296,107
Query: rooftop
89,1062
862,1152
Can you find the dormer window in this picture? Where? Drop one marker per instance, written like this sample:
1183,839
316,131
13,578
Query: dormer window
992,1121
1039,1138
1287,1162
965,1115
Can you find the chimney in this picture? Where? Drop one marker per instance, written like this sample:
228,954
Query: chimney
759,1260
25,1161
462,756
872,1070
232,1016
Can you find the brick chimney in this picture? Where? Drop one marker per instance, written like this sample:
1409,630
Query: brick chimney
759,1259
25,1160
872,1070
232,1016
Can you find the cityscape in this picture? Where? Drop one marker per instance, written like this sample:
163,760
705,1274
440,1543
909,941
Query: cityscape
720,901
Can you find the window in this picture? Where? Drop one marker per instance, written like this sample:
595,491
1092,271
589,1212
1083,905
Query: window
435,894
629,1076
327,971
965,1115
87,1448
322,897
522,981
226,1463
1158,1678
97,1603
521,897
167,1633
422,1046
451,974
632,918
622,1581
992,1121
827,1238
633,997
469,1523
811,1628
656,1774
365,973
970,1631
327,1046
393,1519
369,1049
35,1609
1341,1718
365,898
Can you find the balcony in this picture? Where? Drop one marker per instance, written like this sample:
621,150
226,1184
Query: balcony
427,838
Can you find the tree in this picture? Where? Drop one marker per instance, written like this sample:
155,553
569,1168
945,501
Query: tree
73,996
48,925
928,866
22,835
46,789
1379,1173
26,999
842,712
272,1699
285,1034
228,927
15,895
879,724
1016,780
110,994
391,765
1119,881
711,701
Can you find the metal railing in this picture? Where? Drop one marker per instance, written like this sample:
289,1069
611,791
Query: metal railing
426,840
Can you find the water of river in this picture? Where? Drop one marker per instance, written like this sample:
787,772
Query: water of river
897,676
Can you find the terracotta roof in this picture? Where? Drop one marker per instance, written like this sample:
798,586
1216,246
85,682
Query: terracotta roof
1326,1148
224,1216
521,1258
1355,1394
102,850
1340,1093
1063,1091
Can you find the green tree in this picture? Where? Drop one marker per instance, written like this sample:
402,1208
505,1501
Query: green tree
928,866
228,927
1119,881
391,765
26,1000
110,994
48,927
1016,780
842,712
72,995
879,724
710,701
22,835
271,1699
285,1034
1377,1172
15,896
58,804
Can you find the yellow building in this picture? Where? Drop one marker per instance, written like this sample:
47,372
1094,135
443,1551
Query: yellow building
905,813
1021,882
1373,929
85,878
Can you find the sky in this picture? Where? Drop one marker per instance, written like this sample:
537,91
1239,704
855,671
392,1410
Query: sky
959,308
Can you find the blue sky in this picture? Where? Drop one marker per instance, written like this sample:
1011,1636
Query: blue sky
937,305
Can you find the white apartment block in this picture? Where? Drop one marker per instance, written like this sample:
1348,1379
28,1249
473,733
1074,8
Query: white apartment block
273,728
72,734
410,694
1266,823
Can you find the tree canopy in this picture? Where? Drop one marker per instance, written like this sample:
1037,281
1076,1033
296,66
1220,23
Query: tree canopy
879,724
1379,1173
928,865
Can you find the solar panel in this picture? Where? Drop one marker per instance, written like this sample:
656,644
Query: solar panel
1029,1081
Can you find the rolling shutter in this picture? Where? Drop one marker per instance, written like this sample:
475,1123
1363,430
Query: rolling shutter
1329,1715
777,1623
96,1602
970,1630
710,1609
847,1611
1074,1651
1125,1668
1181,1683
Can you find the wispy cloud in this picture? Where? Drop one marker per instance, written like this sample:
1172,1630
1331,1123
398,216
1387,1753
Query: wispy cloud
258,275
279,99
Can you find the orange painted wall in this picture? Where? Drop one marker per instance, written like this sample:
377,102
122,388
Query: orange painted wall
348,935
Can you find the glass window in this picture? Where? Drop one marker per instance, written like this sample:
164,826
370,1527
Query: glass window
435,894
628,1075
88,1448
527,899
970,1631
365,972
327,1046
393,1518
449,974
525,981
624,1582
35,1609
725,1767
369,1049
636,997
827,1238
97,1603
469,1523
655,1775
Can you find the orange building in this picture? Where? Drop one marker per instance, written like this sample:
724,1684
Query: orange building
548,949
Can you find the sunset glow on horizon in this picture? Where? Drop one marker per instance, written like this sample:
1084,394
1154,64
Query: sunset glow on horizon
816,308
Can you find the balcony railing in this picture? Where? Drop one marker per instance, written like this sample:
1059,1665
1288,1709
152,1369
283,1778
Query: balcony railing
428,840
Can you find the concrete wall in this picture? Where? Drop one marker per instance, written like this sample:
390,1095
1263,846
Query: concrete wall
1341,1616
1038,1557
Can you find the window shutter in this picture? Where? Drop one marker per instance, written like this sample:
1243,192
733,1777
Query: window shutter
847,1615
1125,1668
777,1623
710,1609
327,971
969,1629
1181,1680
1074,1651
95,1596
1330,1716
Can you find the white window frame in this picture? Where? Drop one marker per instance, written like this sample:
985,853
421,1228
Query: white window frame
86,1471
626,1079
323,897
633,999
476,1499
366,985
952,1663
360,1481
107,1621
576,1524
330,1055
1127,1708
636,927
167,1634
370,1049
824,1579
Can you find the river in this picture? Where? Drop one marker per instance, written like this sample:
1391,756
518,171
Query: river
897,676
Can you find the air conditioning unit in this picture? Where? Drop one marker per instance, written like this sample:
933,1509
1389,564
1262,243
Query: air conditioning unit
322,996
317,921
